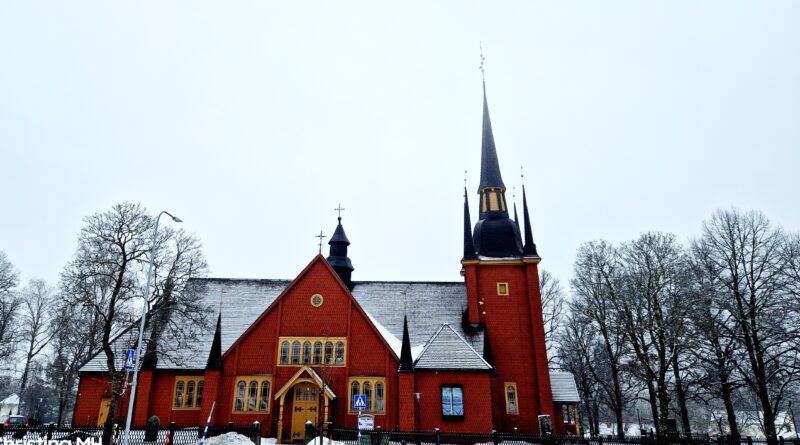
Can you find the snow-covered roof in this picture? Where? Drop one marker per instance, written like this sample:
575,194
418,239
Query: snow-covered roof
563,387
426,304
13,399
446,350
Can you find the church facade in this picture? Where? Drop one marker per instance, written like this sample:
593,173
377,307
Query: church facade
466,356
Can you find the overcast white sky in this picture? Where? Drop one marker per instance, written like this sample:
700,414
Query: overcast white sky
253,120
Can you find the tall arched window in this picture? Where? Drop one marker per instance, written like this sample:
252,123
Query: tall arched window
252,396
306,353
199,400
264,400
240,388
354,391
179,394
285,353
328,353
340,353
368,396
379,397
317,352
511,398
295,352
190,394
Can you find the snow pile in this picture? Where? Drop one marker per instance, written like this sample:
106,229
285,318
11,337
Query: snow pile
269,441
229,439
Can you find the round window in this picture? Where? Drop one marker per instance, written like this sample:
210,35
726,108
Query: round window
316,300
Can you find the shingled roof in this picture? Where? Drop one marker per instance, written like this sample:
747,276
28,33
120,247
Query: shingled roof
447,350
427,304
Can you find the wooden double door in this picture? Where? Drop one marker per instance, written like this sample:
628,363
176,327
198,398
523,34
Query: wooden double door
305,408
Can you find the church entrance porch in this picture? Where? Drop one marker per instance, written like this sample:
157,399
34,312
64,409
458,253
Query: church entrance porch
309,398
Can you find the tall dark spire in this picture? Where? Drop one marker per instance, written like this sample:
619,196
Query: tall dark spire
406,364
516,218
469,245
490,167
495,235
338,255
215,356
530,247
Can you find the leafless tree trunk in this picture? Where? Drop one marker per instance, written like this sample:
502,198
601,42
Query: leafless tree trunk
37,299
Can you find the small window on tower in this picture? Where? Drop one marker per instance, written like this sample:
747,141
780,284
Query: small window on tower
502,288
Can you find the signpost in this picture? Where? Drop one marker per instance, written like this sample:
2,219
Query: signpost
130,359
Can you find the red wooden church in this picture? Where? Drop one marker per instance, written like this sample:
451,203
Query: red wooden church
460,356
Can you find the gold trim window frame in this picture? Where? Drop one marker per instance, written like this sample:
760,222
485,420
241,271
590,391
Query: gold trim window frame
187,392
515,401
312,351
502,288
375,390
252,394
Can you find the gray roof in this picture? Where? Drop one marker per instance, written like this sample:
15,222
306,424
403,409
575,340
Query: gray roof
427,304
446,350
563,387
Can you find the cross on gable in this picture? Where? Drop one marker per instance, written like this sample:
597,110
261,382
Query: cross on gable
320,236
340,209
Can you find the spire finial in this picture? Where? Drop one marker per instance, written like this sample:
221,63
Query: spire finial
320,236
340,209
483,74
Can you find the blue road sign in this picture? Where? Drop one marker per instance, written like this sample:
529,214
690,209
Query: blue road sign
130,356
360,401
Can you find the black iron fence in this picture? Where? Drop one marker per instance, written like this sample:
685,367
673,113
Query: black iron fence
437,437
165,435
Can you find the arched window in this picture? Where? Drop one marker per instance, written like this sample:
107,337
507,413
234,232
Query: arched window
199,401
306,353
189,394
295,352
252,396
317,352
328,353
354,391
179,394
240,388
340,353
285,353
298,392
511,398
264,400
313,393
379,397
368,396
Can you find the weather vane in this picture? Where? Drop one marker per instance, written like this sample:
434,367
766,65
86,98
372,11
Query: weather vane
340,209
320,236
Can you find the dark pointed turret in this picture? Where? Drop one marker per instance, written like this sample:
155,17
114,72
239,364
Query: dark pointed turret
469,246
338,255
495,235
530,247
215,356
406,364
516,218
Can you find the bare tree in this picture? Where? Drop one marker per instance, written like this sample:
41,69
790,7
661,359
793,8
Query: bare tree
749,258
652,308
595,284
9,305
573,358
552,296
37,299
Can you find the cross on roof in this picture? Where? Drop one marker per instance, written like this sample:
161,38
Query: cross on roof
339,209
482,58
320,236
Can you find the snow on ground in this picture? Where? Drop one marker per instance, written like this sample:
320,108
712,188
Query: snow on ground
269,441
229,439
325,441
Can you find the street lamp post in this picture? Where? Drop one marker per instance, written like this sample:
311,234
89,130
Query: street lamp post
137,361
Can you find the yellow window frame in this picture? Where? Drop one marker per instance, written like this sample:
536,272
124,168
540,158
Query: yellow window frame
372,381
259,397
185,379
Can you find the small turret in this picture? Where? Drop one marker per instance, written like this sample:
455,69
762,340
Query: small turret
338,255
215,355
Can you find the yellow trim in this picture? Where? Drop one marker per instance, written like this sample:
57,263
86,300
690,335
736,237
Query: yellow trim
312,340
314,377
247,379
520,262
516,397
502,288
186,380
372,381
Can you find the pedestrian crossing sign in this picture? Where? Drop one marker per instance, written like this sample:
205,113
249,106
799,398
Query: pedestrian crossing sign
360,401
129,358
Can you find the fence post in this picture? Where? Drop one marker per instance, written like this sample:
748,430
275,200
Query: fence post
378,435
780,440
172,432
230,427
255,436
495,440
52,427
437,434
600,439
